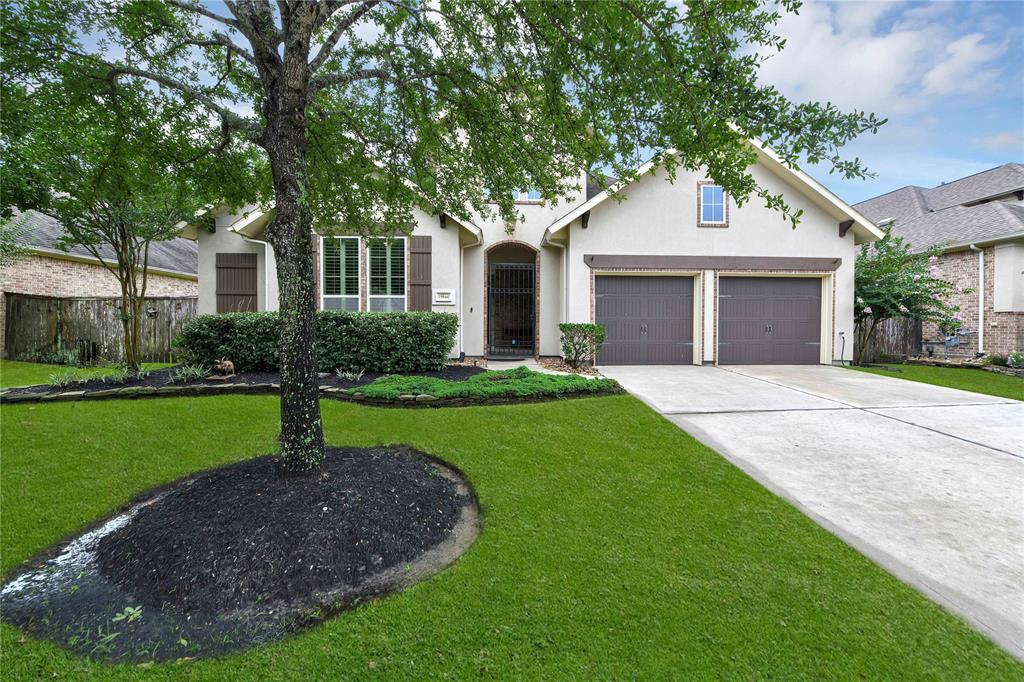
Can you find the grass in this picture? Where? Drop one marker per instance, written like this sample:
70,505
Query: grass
14,373
614,546
976,380
520,381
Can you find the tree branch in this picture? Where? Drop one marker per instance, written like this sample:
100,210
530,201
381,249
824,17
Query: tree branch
199,9
343,25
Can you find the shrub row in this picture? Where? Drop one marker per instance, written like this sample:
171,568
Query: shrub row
369,342
519,382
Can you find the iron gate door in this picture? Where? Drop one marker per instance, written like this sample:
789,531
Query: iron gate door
511,317
769,321
647,320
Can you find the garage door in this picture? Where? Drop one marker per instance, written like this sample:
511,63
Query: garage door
769,320
647,320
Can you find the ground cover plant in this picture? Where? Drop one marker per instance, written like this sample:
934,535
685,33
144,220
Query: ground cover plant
15,373
613,546
965,379
519,382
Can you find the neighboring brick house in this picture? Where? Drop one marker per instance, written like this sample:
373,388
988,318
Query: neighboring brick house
49,271
978,221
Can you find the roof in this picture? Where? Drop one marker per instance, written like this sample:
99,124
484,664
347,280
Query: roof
864,230
40,232
950,214
963,225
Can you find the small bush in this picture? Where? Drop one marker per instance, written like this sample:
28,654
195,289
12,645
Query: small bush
518,382
580,342
997,359
65,377
1016,359
187,373
349,374
366,342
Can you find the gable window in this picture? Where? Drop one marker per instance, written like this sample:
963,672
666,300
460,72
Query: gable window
339,272
526,195
712,210
387,275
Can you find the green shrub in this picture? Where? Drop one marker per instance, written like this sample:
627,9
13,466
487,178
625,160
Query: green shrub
366,342
580,342
1016,359
997,359
66,377
187,373
518,382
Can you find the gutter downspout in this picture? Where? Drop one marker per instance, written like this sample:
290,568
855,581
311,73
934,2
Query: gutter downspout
266,279
981,298
461,294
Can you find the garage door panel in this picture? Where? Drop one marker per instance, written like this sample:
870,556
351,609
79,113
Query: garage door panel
647,320
769,320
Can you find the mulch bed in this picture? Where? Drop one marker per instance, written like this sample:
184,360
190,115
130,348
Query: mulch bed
165,377
238,555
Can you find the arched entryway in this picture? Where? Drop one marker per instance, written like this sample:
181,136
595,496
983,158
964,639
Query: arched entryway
510,317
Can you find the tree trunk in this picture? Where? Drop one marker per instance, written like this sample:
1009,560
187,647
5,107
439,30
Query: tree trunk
859,357
290,233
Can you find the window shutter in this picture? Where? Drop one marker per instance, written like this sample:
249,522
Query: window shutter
236,282
420,291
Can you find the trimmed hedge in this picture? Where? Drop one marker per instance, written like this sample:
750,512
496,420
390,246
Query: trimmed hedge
519,382
368,342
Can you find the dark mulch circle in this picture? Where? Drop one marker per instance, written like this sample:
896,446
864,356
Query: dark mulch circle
238,555
165,377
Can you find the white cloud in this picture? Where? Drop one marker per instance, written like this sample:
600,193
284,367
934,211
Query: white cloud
962,69
1010,143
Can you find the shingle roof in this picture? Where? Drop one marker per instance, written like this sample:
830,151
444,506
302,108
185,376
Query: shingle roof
43,231
926,217
963,225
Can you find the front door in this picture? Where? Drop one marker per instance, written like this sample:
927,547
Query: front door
511,314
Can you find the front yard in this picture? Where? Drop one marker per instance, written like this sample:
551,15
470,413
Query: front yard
976,380
613,546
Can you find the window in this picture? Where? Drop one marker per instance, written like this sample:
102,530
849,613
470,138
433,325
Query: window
533,195
387,275
339,272
713,210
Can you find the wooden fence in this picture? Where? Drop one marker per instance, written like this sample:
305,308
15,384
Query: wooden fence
89,329
895,339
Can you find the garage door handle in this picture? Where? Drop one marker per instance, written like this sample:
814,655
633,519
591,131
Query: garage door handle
643,329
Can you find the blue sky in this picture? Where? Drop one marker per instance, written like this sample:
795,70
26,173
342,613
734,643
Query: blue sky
949,76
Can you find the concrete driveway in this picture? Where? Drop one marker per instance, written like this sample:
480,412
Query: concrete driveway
925,480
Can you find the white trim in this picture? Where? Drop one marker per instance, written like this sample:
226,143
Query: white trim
359,280
981,296
700,200
405,272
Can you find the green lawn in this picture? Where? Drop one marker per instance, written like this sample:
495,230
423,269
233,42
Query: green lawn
614,547
976,380
14,373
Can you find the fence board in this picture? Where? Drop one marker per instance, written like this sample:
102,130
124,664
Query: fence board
895,339
38,325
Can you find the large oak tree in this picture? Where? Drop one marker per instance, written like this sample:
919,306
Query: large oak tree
367,109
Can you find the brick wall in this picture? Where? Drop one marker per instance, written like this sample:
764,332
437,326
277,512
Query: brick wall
1004,332
45,276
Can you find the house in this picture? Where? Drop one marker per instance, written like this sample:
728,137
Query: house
46,270
978,222
678,273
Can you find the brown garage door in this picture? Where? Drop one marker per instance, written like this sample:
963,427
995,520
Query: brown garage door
769,321
647,320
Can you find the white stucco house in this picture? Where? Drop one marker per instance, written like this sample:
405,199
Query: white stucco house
677,272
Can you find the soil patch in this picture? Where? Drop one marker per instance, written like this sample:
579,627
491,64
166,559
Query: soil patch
165,377
236,556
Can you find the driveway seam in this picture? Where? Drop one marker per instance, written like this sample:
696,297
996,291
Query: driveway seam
872,410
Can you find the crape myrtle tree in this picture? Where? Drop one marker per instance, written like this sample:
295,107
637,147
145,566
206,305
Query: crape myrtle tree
117,165
891,281
368,109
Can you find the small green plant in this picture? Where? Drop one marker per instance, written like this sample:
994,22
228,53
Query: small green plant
130,613
65,377
349,374
187,373
580,342
1016,359
997,359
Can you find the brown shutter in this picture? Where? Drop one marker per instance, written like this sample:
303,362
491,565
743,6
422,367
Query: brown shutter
420,292
236,282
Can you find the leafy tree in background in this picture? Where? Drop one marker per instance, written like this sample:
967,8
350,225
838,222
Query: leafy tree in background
891,281
368,109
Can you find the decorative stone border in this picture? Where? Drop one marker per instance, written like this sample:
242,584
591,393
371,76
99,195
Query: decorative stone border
11,396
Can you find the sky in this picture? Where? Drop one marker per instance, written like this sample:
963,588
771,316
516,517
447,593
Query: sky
949,76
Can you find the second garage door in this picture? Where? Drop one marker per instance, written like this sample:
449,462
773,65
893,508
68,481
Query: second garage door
647,320
769,320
